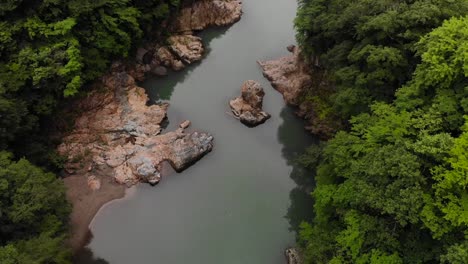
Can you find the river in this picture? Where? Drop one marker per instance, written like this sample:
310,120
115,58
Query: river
239,204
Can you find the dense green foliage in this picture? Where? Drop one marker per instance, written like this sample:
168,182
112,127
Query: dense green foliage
33,213
49,50
368,45
393,188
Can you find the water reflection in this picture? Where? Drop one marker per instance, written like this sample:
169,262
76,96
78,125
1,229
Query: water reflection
165,85
295,141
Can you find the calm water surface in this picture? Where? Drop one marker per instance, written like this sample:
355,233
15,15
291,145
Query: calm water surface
238,204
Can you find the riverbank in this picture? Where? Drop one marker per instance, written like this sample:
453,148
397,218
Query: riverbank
116,140
86,203
304,85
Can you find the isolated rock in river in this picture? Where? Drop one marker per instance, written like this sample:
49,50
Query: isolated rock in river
248,107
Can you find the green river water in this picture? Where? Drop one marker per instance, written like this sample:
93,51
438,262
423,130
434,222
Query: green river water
240,204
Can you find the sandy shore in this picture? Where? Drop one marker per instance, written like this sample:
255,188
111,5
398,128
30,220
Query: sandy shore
86,203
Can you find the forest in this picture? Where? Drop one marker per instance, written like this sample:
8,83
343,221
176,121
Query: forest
50,50
392,186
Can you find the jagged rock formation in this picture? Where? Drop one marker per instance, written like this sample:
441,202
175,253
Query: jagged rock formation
118,135
205,13
248,107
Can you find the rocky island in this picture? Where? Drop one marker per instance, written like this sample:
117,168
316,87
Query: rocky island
248,107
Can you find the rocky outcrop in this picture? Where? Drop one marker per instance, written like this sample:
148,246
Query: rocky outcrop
181,51
248,107
294,79
118,135
205,13
183,47
187,48
289,75
293,256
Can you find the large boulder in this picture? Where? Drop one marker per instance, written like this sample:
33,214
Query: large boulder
189,149
248,107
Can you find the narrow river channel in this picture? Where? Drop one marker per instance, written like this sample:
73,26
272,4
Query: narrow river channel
236,205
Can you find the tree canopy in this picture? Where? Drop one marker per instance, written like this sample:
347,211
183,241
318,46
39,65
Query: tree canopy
369,46
392,188
33,214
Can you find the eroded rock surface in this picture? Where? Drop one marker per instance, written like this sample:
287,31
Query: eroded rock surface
118,135
289,75
248,107
187,48
205,13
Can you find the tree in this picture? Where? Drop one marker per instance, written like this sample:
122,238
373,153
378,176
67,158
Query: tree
33,214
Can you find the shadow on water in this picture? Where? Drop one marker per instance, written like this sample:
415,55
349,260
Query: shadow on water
165,85
295,140
86,256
